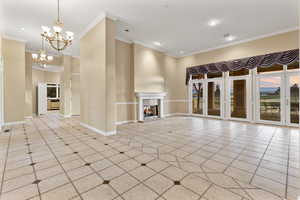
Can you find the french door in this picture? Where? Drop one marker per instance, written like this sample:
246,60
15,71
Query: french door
214,99
238,98
270,98
264,97
207,97
278,98
198,97
292,98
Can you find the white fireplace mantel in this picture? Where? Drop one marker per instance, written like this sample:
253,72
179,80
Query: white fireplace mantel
150,95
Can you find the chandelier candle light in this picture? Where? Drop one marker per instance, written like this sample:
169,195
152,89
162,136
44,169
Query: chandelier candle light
56,37
42,58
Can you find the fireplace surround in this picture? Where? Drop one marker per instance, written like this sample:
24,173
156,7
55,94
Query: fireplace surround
150,105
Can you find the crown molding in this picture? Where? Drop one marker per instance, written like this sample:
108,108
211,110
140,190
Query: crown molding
78,57
51,68
49,54
148,46
123,40
7,37
160,50
98,19
240,42
91,25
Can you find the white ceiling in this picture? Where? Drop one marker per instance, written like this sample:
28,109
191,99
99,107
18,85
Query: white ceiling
179,25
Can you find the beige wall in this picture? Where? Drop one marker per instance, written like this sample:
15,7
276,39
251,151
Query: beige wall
33,77
75,89
97,77
263,46
148,69
125,96
154,71
1,82
28,85
75,86
65,86
0,44
14,80
39,76
141,69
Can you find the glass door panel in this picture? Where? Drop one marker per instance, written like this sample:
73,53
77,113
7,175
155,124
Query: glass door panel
214,90
197,98
293,98
270,98
238,99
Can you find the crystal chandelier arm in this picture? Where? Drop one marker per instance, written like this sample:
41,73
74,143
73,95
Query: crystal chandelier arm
43,45
57,39
54,44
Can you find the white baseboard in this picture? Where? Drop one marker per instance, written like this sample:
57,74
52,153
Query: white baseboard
65,116
98,131
166,115
125,122
177,114
13,123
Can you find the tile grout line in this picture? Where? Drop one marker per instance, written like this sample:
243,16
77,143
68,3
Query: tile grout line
5,163
288,167
255,137
261,159
117,144
143,182
80,157
33,167
57,159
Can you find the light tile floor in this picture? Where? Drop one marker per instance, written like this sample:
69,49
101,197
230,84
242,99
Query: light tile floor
178,158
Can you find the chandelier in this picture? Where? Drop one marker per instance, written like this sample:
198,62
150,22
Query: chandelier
42,58
56,37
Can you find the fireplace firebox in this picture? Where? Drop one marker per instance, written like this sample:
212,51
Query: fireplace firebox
150,105
151,108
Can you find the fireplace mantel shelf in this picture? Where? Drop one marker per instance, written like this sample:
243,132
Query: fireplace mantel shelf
150,94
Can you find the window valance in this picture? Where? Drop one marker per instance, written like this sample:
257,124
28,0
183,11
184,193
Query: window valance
282,58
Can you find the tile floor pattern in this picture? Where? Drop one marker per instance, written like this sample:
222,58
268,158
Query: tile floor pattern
178,158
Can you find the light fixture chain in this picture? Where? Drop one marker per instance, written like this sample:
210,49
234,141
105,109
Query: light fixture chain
58,14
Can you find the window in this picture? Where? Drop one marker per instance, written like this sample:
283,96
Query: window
241,72
294,65
197,91
215,75
273,68
53,91
198,76
238,98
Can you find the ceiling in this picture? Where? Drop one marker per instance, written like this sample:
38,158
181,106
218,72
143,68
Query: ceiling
181,26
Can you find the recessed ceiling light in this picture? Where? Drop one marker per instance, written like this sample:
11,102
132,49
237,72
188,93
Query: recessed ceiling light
213,22
22,29
229,37
157,43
